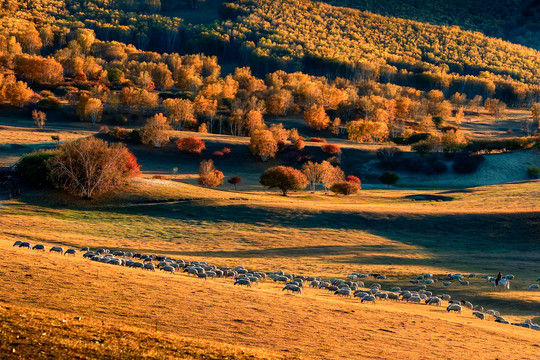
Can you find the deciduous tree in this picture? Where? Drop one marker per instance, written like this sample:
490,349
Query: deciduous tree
284,178
156,131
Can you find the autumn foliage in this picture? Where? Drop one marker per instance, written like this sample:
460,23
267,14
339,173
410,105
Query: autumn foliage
191,145
331,149
209,176
284,178
90,167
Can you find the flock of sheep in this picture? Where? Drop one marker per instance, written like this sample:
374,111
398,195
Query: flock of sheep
351,287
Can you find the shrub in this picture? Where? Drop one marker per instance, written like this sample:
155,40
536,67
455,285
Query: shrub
118,119
533,172
119,133
353,179
438,121
208,175
235,180
191,145
317,140
389,157
284,178
50,103
414,138
501,145
34,167
466,162
331,149
389,178
345,188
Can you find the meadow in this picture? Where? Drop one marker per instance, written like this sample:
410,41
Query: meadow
377,230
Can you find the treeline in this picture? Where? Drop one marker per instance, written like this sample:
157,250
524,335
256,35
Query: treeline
514,20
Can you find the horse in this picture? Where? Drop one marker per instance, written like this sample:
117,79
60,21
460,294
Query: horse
504,284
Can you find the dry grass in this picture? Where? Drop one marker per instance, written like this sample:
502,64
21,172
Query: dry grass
28,135
140,308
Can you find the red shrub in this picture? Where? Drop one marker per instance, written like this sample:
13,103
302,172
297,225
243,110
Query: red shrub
353,179
318,140
218,153
191,145
133,168
226,150
331,149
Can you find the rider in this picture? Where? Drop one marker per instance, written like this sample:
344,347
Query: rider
499,277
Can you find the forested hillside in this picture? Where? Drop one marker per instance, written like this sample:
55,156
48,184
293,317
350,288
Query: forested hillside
517,21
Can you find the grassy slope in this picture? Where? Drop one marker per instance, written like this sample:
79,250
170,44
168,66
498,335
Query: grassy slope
485,230
157,307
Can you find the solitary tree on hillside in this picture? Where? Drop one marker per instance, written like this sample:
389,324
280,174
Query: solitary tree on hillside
93,110
234,181
156,130
39,118
284,178
89,167
389,178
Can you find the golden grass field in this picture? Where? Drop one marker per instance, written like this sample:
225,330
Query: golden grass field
482,230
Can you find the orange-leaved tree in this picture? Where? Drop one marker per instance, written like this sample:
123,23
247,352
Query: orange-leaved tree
284,178
156,131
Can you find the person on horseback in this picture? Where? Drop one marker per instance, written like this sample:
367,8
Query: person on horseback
499,277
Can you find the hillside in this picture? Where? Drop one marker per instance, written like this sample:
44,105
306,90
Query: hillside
265,232
512,20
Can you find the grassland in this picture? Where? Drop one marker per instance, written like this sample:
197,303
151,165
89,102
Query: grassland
127,313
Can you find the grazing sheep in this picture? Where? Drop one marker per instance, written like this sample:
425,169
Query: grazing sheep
446,297
395,289
17,243
393,296
71,252
25,244
538,278
343,292
421,287
464,282
360,284
85,248
243,281
428,281
381,277
427,276
534,286
447,283
509,277
202,275
363,276
381,295
149,266
478,308
472,275
295,289
501,320
211,274
414,299
433,301
493,313
368,298
479,315
467,304
137,265
360,294
454,307
314,284
168,269
39,247
57,249
413,281
96,258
